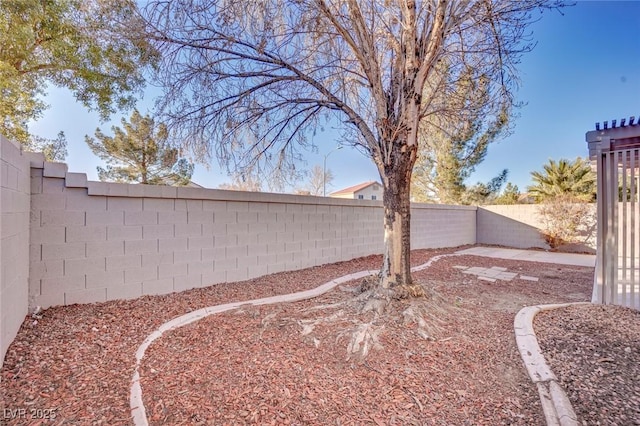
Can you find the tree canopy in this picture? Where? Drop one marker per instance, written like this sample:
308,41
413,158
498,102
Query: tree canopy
53,149
510,195
248,81
484,193
91,47
564,178
452,145
140,153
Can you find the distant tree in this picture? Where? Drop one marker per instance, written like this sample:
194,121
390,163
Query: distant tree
453,145
243,182
53,149
318,180
90,47
565,177
484,193
510,195
255,78
257,179
140,153
280,180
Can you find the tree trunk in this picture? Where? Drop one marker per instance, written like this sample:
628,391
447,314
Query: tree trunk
397,234
395,275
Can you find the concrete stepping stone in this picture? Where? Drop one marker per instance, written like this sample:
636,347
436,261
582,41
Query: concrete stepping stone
528,278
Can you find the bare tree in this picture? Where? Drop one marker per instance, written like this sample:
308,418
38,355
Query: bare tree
318,180
241,182
255,179
249,80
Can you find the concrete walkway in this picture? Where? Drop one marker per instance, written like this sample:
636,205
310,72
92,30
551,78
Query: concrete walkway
533,255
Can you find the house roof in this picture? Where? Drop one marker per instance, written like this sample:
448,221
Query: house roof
192,184
355,188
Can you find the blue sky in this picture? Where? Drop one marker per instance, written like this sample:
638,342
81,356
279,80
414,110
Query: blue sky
584,69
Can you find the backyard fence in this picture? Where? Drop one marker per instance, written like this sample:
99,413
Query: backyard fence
68,240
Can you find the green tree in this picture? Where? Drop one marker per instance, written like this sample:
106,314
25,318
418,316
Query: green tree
510,195
53,149
565,177
140,153
484,193
91,47
454,144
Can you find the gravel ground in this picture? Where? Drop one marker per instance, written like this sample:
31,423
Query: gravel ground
262,365
594,351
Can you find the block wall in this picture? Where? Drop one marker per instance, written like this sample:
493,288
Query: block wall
510,225
94,241
519,226
14,247
436,225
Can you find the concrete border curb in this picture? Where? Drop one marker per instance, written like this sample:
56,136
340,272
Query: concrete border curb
138,411
557,408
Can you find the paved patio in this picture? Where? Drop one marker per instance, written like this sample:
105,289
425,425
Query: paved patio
588,260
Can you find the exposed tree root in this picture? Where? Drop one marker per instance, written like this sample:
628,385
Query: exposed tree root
428,324
363,339
377,305
326,306
370,285
410,291
414,306
309,325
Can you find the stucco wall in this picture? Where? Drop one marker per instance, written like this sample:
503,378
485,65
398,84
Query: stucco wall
94,241
14,247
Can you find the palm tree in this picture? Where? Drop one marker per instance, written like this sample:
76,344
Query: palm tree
574,179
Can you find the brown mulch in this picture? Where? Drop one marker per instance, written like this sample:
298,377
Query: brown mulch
594,351
256,366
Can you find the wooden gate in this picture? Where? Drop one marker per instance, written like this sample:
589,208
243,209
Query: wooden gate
616,152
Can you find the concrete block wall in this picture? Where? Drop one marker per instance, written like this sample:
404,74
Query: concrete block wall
436,225
95,241
520,226
68,240
14,247
510,225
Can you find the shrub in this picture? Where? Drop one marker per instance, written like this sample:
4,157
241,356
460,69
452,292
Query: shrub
565,219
